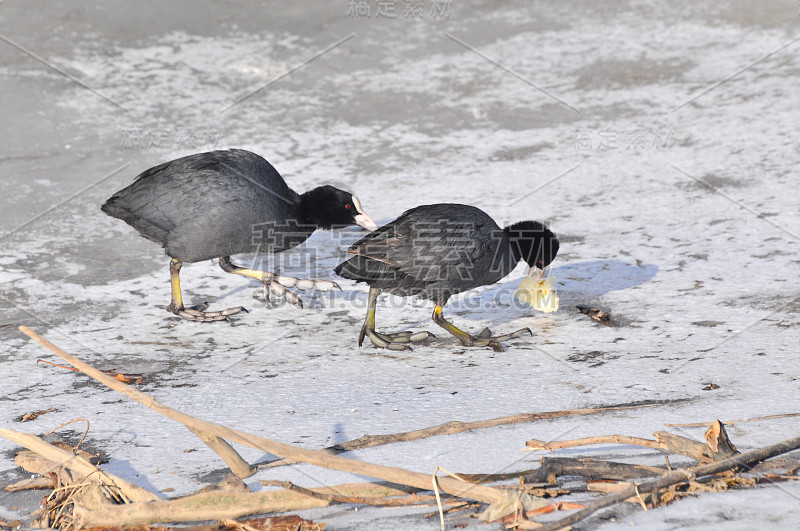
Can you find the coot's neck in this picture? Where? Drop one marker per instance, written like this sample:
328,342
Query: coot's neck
516,253
312,209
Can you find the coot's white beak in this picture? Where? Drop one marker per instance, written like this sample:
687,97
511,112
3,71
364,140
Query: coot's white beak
363,220
539,273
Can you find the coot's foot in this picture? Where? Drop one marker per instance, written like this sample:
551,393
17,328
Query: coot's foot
197,314
396,341
193,314
484,339
278,284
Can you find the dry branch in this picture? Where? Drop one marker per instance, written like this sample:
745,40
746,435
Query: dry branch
610,487
554,467
222,504
290,522
217,505
681,475
34,463
664,441
607,487
536,444
368,489
238,466
392,474
701,424
519,522
718,446
44,482
76,464
502,476
413,499
456,426
678,444
33,415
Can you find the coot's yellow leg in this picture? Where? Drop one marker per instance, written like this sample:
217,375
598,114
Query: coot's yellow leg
465,338
485,339
277,283
398,341
176,304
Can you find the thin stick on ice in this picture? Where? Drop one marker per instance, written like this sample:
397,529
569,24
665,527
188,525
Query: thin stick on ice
457,426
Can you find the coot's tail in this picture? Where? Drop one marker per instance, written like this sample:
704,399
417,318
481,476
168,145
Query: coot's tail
357,268
146,228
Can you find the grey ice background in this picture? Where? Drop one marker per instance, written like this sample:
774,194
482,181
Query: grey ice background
660,141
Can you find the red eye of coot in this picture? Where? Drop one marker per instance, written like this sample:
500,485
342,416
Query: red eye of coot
348,207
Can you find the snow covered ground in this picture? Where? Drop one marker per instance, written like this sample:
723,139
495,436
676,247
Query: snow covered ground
659,141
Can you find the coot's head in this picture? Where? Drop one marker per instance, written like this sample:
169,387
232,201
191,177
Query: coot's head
327,206
534,243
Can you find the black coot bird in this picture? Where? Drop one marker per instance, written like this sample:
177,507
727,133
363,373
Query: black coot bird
436,251
220,203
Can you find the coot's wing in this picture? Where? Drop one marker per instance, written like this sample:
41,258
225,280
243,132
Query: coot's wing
433,243
205,205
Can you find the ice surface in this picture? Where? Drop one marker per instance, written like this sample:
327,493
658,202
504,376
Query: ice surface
610,127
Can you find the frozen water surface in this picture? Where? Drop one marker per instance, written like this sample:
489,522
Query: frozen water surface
607,121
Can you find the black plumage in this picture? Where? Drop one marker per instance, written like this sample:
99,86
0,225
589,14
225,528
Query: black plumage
437,251
220,203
